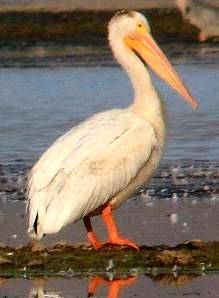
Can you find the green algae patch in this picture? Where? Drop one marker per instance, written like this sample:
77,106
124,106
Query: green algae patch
64,259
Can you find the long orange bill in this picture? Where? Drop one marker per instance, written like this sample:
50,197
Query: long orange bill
150,52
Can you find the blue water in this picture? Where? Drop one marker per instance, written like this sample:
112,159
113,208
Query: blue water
37,105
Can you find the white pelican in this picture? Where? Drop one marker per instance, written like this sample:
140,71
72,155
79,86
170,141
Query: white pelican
97,165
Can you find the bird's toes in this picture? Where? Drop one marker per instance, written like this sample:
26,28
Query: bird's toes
123,242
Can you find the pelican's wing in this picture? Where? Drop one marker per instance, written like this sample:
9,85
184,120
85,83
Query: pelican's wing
87,166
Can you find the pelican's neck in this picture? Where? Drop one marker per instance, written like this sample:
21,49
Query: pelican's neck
146,100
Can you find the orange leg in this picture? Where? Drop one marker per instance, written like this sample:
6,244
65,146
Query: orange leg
92,238
114,237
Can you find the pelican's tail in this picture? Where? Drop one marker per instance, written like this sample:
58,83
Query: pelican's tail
35,211
35,230
46,216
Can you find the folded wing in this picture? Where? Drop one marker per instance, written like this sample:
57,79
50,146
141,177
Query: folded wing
86,167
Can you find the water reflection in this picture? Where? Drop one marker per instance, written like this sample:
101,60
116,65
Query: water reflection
153,284
114,287
202,15
2,280
174,279
38,290
40,293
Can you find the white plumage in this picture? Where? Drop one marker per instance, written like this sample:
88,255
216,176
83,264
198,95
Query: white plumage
87,166
98,164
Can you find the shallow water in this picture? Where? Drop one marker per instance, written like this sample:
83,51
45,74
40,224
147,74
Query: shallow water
38,105
150,221
141,287
202,287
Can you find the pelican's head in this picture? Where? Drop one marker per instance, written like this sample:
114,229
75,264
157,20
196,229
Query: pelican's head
133,29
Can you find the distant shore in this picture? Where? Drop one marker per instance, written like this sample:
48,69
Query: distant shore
99,5
86,27
59,6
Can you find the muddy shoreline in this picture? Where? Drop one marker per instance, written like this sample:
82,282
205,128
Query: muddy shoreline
36,38
64,259
79,38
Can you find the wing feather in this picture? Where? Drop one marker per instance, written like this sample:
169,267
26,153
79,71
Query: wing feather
87,166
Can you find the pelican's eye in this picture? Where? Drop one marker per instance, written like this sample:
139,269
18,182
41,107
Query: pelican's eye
142,28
